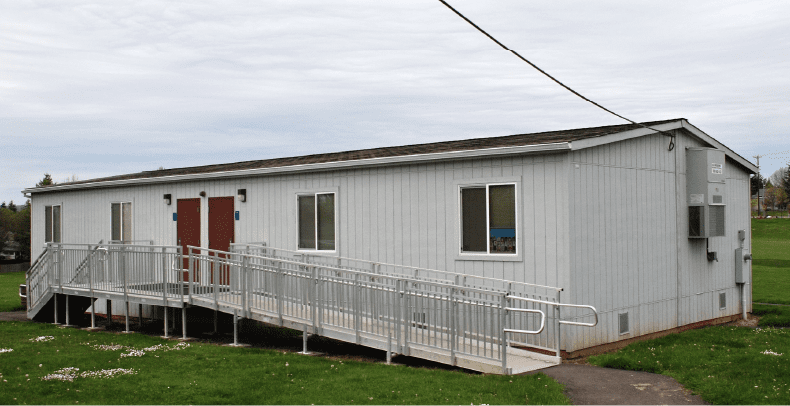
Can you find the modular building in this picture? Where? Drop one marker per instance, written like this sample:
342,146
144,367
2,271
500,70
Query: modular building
650,228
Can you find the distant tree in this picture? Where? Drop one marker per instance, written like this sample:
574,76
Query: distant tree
22,230
46,181
757,183
12,206
3,206
774,196
6,225
786,184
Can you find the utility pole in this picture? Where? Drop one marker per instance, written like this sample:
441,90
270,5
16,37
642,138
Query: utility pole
757,157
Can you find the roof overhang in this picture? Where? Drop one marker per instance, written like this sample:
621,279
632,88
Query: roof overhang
675,125
315,167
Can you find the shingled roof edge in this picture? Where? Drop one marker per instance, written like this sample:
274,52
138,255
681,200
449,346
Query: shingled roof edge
455,146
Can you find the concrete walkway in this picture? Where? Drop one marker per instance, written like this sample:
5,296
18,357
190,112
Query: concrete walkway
592,385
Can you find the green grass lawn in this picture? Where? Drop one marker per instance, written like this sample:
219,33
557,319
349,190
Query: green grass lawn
771,263
211,374
724,365
9,291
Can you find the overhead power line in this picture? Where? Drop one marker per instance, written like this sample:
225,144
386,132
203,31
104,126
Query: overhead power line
672,142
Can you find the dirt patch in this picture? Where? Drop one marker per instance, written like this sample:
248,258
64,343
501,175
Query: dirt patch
14,316
752,321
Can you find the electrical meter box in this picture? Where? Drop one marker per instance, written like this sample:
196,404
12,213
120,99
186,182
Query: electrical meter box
705,192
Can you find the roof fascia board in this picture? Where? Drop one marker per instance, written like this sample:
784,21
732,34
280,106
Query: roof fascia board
684,124
325,166
622,136
712,141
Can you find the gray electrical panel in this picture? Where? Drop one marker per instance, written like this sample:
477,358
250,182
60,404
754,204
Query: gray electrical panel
705,192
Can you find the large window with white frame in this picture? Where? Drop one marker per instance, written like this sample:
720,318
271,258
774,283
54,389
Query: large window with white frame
488,219
316,217
121,221
52,223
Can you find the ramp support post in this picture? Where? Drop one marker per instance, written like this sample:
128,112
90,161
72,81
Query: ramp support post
184,322
166,312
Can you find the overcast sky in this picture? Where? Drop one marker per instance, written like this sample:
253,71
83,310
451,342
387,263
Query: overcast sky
103,88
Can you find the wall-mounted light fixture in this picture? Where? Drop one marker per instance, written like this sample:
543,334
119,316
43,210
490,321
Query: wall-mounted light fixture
242,195
168,199
202,194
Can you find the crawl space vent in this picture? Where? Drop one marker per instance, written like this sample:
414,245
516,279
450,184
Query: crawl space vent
624,323
722,300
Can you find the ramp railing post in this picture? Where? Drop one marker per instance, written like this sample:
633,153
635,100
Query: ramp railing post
453,313
90,285
216,268
557,324
244,281
190,275
314,299
356,304
502,333
164,276
125,287
280,288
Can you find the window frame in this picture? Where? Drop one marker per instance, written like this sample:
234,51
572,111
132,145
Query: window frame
315,193
49,235
121,228
486,183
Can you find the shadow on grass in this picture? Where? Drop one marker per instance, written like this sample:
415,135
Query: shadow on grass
772,315
265,336
773,263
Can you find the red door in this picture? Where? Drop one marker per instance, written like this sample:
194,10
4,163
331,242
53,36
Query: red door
220,231
188,225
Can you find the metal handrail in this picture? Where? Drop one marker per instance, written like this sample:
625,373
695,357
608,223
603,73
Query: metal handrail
542,321
33,265
446,273
570,323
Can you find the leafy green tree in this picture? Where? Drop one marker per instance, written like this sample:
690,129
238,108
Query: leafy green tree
12,206
22,232
6,225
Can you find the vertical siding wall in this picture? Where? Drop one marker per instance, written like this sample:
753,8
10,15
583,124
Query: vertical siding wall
396,214
629,246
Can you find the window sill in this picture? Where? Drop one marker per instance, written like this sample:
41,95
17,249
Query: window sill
489,257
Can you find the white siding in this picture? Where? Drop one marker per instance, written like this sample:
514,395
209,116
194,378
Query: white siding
629,246
397,214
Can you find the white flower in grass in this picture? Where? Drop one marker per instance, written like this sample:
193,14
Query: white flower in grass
769,352
2,350
40,339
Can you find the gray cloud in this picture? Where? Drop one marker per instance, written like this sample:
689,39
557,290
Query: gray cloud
96,89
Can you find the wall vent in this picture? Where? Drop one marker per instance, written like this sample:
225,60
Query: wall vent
717,199
722,300
624,323
717,220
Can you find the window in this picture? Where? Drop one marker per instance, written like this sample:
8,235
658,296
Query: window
52,224
488,219
316,216
121,221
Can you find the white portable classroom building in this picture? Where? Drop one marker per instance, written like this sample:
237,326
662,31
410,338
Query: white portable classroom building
615,216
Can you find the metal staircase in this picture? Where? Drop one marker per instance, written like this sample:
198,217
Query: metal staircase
484,324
